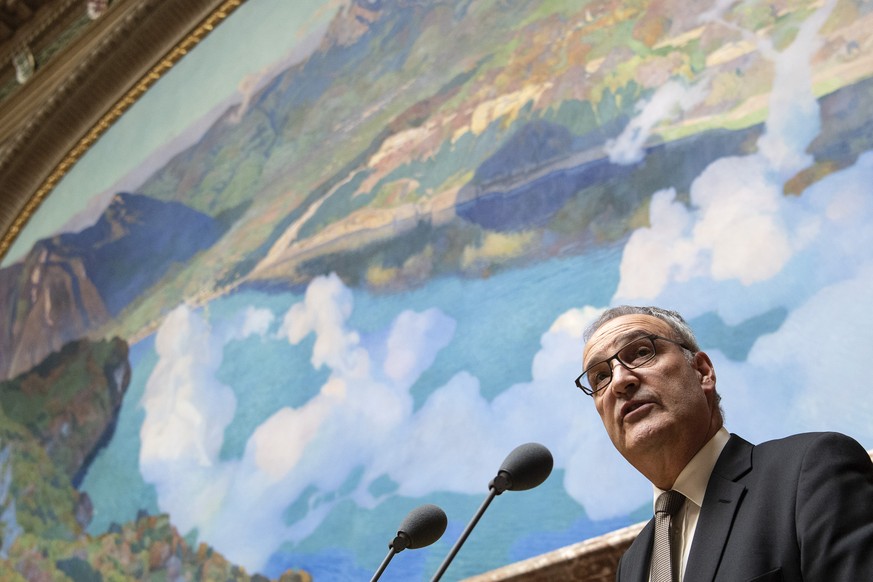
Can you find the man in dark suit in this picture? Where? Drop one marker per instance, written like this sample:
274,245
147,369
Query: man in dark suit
799,508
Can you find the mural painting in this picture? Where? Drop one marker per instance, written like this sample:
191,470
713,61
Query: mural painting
337,262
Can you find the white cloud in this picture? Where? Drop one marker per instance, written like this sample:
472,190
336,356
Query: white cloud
186,412
793,118
324,310
277,445
739,225
667,104
247,89
652,256
256,322
445,446
828,345
409,336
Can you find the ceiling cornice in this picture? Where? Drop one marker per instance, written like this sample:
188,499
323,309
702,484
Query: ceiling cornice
43,22
51,121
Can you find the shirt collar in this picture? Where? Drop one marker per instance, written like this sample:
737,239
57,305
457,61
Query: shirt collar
693,479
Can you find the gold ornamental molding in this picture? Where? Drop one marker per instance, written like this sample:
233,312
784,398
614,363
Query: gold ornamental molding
52,121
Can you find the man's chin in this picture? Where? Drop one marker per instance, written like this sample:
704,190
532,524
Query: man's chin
643,433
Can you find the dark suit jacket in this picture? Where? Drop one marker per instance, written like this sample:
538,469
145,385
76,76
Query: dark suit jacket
799,508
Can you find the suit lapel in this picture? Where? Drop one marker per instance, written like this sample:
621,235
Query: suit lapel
635,567
720,505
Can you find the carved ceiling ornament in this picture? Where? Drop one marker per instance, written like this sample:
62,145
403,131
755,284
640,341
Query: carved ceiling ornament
24,64
91,96
96,8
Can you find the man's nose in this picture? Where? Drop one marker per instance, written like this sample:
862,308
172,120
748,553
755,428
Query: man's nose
623,379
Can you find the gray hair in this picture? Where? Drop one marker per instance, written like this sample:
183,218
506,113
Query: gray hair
676,322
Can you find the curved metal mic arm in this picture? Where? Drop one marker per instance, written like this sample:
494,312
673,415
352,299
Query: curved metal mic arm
397,545
525,467
384,564
492,493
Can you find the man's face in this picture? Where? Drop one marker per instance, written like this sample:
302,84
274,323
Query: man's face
665,403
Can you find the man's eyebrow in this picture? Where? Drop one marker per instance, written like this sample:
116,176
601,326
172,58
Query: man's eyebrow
616,344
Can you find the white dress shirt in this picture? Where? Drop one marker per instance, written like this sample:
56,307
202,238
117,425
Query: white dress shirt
691,483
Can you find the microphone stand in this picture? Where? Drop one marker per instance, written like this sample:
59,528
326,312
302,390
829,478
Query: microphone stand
384,565
497,486
398,544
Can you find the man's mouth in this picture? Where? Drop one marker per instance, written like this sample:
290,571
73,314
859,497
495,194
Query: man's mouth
631,406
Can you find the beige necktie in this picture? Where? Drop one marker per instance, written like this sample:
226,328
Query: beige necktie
665,562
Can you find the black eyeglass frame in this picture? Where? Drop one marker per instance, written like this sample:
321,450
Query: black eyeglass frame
651,337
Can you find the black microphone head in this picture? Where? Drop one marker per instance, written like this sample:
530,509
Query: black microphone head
421,527
525,467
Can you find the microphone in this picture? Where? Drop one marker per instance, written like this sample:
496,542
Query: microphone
524,468
421,527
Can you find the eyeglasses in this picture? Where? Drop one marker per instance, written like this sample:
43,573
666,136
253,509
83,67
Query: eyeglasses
635,354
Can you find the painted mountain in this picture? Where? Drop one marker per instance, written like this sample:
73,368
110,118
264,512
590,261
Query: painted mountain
71,284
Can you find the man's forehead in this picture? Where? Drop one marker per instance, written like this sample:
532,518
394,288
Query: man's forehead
612,334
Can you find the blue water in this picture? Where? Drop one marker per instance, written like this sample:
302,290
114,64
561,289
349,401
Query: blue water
113,482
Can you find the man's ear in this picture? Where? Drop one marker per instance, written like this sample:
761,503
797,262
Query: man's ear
705,369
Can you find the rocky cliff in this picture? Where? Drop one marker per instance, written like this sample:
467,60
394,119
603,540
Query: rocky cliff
70,401
69,285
